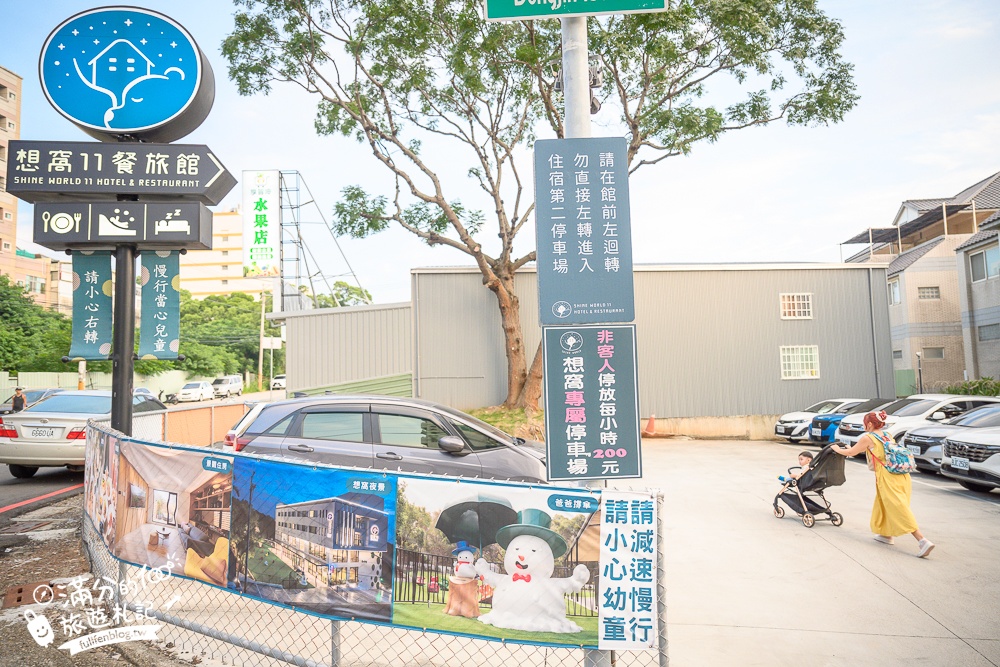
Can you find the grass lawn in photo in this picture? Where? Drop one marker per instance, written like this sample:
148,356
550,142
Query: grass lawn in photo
432,617
275,572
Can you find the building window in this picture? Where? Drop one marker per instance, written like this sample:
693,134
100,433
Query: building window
897,354
799,362
225,238
11,96
11,124
225,253
928,292
225,267
989,332
985,264
7,215
933,353
893,292
796,307
225,282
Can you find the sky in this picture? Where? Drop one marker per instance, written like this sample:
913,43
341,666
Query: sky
927,125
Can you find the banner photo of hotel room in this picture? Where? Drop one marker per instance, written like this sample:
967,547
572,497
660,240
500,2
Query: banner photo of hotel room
509,562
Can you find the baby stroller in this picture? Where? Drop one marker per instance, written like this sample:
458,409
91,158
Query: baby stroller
827,470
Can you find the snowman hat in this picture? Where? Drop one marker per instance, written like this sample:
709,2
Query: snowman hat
461,546
535,523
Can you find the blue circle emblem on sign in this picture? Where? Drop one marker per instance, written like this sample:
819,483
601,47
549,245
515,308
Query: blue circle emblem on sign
120,70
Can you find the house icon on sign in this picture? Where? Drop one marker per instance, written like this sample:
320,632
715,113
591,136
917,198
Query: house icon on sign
118,65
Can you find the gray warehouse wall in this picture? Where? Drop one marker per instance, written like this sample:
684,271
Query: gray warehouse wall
708,337
332,346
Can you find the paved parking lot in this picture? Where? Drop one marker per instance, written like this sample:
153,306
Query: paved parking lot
745,588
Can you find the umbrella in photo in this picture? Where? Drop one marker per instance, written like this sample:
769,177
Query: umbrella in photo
476,520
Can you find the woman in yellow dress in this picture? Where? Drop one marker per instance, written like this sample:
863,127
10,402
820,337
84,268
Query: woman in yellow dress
891,515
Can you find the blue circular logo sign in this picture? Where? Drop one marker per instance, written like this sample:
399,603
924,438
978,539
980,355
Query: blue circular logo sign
121,70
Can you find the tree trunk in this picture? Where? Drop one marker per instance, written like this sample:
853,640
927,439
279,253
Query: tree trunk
510,316
532,391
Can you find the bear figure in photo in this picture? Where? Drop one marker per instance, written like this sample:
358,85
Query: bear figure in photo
528,597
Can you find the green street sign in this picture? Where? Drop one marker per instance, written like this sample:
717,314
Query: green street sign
513,10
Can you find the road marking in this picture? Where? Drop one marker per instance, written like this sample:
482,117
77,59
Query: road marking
43,497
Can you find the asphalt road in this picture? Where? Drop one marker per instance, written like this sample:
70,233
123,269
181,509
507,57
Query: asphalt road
47,481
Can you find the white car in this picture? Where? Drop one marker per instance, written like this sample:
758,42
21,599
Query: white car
278,382
196,391
973,459
926,442
913,412
53,432
795,425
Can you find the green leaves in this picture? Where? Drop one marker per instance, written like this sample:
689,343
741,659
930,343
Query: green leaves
359,215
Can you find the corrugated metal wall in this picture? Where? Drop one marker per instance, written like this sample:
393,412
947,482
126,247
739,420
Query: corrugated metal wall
708,337
336,345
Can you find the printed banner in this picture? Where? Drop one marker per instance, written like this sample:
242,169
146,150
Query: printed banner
591,402
500,561
627,593
92,290
261,223
159,337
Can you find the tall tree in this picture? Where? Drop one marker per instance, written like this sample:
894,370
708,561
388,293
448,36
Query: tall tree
398,75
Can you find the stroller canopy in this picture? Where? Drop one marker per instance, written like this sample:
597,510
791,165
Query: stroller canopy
827,470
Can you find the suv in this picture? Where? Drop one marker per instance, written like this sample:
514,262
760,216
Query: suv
913,412
795,425
388,433
926,442
973,459
227,386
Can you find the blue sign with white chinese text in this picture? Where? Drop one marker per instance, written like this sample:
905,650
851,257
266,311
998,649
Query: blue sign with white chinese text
126,71
92,289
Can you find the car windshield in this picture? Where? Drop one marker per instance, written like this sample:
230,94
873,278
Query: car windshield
909,407
30,396
867,406
979,418
823,408
220,381
94,405
192,385
489,428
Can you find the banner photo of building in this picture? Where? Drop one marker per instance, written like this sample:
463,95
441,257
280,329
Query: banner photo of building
508,562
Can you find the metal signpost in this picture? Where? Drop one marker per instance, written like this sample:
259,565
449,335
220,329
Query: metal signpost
123,75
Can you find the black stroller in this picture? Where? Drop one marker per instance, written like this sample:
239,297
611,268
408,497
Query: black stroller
827,470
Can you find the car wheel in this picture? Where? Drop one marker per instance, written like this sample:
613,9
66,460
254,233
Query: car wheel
808,520
791,440
837,519
779,511
971,486
23,472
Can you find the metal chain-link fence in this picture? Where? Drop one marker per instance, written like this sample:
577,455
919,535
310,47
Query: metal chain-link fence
236,630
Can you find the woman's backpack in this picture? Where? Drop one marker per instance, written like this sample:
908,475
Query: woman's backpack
898,459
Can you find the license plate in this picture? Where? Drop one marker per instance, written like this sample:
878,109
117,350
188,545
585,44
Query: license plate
817,432
959,463
914,448
33,432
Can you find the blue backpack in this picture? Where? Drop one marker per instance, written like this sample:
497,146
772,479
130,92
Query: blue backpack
898,459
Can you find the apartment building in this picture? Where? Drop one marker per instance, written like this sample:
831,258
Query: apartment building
220,270
979,297
10,128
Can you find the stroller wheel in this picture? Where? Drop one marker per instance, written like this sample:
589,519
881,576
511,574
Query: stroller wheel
779,511
808,520
837,519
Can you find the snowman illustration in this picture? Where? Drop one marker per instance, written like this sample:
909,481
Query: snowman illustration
528,597
464,555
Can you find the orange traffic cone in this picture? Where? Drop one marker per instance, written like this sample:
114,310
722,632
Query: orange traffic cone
650,429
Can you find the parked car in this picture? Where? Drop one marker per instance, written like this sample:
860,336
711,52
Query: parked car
195,391
229,441
795,425
227,386
142,390
973,459
926,442
31,396
823,428
52,432
390,433
278,382
913,412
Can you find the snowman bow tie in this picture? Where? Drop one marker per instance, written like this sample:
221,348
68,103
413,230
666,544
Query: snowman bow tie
521,577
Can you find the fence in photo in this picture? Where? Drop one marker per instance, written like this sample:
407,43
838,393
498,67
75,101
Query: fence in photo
257,561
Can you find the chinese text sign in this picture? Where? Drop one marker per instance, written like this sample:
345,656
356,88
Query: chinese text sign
591,402
626,596
92,289
511,10
261,223
583,232
159,337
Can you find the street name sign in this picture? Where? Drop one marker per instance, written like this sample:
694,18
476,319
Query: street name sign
62,225
127,72
39,171
515,10
591,402
582,231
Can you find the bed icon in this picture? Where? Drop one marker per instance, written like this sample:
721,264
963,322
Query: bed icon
171,225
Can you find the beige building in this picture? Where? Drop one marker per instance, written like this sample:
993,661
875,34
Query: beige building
220,270
10,128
